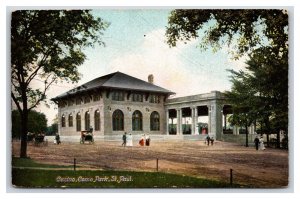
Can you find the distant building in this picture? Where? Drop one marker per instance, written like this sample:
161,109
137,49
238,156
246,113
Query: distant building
118,103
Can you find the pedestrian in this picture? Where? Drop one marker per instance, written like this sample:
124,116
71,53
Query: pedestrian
208,140
57,139
212,140
142,140
261,143
129,140
124,139
147,140
256,141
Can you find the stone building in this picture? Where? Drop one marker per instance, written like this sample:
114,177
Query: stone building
118,103
113,104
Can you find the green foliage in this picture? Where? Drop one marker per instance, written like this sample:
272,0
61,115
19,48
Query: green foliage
245,29
37,123
259,93
53,129
262,91
47,46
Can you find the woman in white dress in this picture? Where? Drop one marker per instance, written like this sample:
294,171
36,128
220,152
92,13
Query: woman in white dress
129,143
261,144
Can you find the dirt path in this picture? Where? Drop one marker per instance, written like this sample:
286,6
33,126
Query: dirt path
261,169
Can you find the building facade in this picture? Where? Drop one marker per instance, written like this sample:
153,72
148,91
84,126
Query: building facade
111,105
118,103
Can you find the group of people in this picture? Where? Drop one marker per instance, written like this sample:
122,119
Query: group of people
128,140
209,140
259,143
145,140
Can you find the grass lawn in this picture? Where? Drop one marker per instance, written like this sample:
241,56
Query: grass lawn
27,162
51,178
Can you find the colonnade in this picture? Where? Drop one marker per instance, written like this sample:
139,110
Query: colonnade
214,119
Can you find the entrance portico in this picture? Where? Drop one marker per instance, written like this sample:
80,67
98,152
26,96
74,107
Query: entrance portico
197,114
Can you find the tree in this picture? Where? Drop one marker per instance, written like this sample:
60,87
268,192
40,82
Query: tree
245,29
261,91
242,98
53,129
37,123
47,45
270,78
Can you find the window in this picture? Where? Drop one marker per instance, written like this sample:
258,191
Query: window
137,121
154,99
154,121
78,101
118,120
70,120
97,120
87,99
63,121
96,98
117,96
87,120
78,122
137,97
70,102
62,104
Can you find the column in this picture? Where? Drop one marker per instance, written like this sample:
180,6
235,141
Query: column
193,120
92,118
167,121
216,120
59,122
209,119
196,120
179,122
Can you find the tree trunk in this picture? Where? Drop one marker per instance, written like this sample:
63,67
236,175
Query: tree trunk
278,140
267,123
247,136
24,131
24,127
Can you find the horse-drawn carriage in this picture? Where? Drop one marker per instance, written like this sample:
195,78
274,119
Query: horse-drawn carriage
87,136
37,139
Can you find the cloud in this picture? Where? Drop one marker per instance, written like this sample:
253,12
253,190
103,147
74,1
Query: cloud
169,66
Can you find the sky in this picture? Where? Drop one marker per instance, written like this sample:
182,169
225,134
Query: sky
135,44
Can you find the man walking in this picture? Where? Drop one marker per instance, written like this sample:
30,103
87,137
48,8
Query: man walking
124,139
256,141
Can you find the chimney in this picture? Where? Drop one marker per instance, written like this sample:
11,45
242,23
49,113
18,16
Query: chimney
150,79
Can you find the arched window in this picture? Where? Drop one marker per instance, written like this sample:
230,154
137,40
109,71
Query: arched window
63,121
97,120
78,122
70,120
87,120
118,120
137,121
154,121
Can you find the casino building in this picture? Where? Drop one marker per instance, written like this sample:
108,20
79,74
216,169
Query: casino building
118,103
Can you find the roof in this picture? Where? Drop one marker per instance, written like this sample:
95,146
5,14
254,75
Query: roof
116,80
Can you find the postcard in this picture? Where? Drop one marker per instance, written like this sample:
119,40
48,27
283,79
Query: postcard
150,98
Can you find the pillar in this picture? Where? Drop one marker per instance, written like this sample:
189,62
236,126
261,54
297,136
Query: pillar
209,119
167,121
193,120
216,120
196,120
179,122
